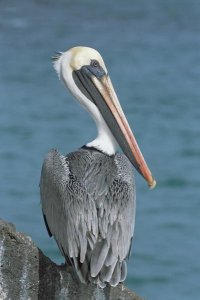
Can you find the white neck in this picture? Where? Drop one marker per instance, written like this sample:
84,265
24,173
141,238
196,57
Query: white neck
104,141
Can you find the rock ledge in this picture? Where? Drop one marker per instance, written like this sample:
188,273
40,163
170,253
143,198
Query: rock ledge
26,273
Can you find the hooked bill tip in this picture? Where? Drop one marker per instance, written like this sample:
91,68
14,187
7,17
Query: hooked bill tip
152,185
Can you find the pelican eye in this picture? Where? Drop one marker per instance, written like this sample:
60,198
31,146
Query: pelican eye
93,69
94,63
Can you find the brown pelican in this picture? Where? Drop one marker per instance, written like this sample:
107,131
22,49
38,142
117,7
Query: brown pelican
88,196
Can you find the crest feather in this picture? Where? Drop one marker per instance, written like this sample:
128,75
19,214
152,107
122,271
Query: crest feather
56,59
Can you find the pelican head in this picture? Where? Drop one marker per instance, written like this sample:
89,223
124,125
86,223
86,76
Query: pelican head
84,73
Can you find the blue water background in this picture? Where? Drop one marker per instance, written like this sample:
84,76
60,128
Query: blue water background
152,51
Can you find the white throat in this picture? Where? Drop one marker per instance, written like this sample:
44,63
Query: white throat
104,141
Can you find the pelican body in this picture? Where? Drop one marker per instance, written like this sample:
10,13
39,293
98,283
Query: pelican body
88,196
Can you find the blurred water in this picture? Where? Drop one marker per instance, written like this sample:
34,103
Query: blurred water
151,49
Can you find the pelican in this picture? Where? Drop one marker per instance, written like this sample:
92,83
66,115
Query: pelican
88,196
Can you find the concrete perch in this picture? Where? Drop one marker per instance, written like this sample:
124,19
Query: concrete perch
26,273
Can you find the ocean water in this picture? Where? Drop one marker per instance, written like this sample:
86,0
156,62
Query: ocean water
151,49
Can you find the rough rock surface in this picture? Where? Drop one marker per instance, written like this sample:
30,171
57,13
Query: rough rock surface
26,273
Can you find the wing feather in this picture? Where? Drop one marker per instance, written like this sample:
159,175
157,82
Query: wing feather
98,257
47,226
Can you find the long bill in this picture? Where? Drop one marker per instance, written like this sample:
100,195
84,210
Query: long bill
101,92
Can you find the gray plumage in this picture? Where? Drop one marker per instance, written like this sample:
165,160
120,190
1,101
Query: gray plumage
88,202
